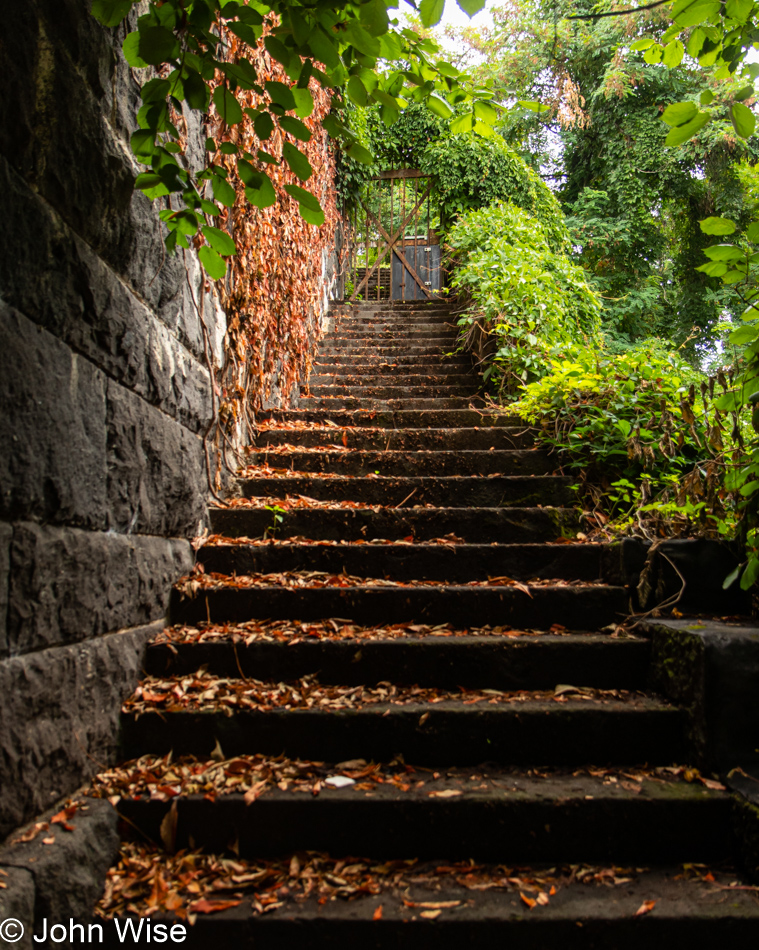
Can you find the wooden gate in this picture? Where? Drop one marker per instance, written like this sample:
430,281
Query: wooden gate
395,249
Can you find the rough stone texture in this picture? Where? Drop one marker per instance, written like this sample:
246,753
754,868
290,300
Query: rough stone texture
60,712
62,881
712,670
84,303
17,901
6,533
67,585
156,475
52,424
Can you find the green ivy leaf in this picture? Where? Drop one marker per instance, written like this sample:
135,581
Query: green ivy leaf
151,184
111,12
431,11
743,119
157,45
143,144
304,102
673,54
303,197
219,240
311,216
678,113
295,127
281,94
470,7
223,191
360,154
297,161
717,226
131,50
357,91
263,126
260,191
227,105
682,133
213,265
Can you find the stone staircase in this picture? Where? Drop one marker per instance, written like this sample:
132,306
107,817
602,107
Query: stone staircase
395,708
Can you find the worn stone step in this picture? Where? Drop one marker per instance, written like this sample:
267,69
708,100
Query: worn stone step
477,662
323,370
379,405
574,607
423,391
456,362
365,462
562,818
521,733
455,563
412,332
688,913
483,526
430,379
389,351
396,418
446,492
406,440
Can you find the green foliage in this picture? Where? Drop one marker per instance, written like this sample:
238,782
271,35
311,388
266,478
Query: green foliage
474,172
533,300
629,426
183,40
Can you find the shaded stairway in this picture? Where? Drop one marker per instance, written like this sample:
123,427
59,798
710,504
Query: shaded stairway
395,707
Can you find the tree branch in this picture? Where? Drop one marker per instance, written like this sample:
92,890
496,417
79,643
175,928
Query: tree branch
597,16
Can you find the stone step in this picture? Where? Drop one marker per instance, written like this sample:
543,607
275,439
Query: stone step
456,363
687,912
504,662
455,563
589,607
446,492
336,370
468,390
393,331
379,405
389,351
508,525
431,379
562,818
406,440
529,732
360,462
395,418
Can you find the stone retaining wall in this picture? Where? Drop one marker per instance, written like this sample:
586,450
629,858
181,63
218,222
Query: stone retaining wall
104,399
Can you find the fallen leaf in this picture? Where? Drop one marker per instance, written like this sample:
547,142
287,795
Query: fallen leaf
430,914
169,828
645,908
205,906
530,901
446,793
377,915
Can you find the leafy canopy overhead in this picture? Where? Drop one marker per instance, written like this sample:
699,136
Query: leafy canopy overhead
351,48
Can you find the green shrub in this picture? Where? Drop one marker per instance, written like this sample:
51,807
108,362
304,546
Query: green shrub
472,172
533,300
630,427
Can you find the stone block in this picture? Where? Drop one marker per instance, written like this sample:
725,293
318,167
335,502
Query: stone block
52,424
68,585
156,476
6,533
68,875
60,713
17,901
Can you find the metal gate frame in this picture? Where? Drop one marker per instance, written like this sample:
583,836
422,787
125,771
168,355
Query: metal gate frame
394,243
